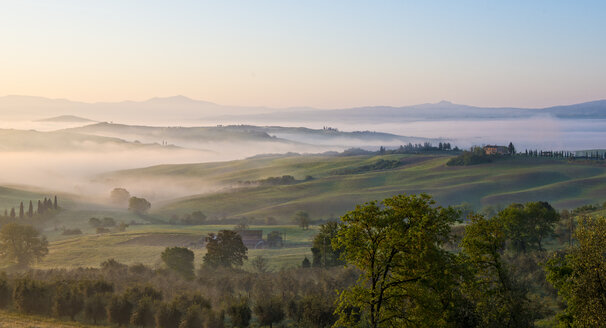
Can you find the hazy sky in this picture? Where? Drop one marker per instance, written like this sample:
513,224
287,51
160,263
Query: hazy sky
306,53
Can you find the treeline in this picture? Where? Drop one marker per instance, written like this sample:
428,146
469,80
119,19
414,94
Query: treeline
44,209
526,266
276,181
380,164
139,296
409,148
476,155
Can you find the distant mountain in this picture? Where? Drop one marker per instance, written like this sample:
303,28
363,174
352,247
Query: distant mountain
182,109
67,119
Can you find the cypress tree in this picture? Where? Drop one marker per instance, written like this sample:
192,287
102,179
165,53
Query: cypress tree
21,212
55,206
13,212
30,210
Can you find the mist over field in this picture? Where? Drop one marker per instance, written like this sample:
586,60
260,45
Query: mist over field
74,164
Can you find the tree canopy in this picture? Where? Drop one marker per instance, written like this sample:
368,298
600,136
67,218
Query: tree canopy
21,244
397,246
179,259
225,249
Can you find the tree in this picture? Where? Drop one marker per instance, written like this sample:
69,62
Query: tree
94,307
579,275
301,218
138,205
511,149
68,301
269,311
30,296
30,210
168,316
324,254
119,196
5,291
274,239
179,259
528,225
260,264
13,215
499,297
21,244
143,315
397,247
119,310
240,314
55,204
94,222
21,211
305,263
225,249
192,318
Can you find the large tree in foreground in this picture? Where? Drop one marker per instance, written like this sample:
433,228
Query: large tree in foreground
225,249
397,246
579,274
21,244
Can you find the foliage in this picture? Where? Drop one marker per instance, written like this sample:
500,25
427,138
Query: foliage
380,164
21,244
473,157
528,225
119,310
30,296
301,218
195,218
225,249
397,246
274,239
179,259
168,316
269,311
68,301
500,299
324,253
260,264
94,307
138,205
579,276
143,315
240,314
119,196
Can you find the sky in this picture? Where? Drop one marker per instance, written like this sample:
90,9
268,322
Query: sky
325,54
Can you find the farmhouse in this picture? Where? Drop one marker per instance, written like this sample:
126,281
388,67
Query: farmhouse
496,150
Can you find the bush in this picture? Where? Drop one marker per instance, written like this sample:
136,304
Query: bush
68,232
477,156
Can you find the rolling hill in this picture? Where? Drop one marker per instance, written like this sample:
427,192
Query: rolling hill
298,138
332,192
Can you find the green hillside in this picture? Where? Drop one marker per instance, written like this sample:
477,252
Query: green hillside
331,193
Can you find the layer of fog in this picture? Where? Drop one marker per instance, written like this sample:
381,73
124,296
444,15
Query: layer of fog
538,132
78,171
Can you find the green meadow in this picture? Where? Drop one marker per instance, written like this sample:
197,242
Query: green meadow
330,194
144,244
338,183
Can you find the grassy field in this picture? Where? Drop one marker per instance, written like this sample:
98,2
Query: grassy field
145,243
563,184
17,320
